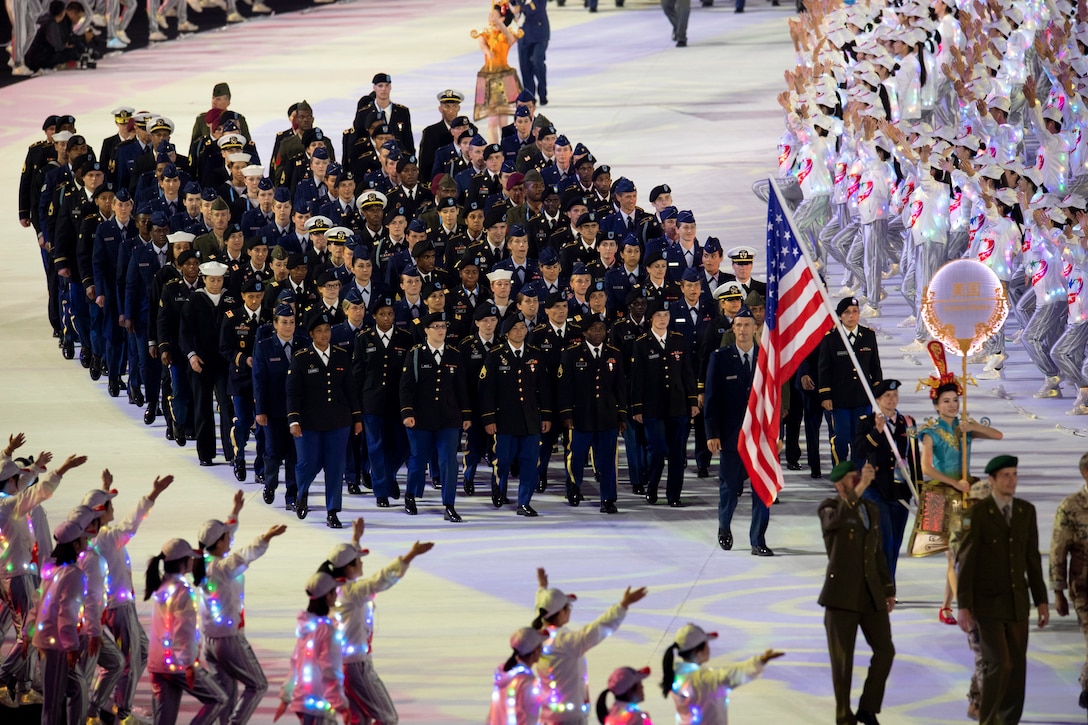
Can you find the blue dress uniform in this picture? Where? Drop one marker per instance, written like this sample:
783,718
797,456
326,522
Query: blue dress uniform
889,491
271,363
108,240
321,400
478,445
175,293
142,266
201,320
839,382
692,321
434,391
593,405
237,339
533,47
515,396
376,367
551,344
622,336
356,465
663,393
728,386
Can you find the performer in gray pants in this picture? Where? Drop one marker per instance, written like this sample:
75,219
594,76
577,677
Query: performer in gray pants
677,11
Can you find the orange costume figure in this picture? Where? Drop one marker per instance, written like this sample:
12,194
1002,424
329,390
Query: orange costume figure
497,84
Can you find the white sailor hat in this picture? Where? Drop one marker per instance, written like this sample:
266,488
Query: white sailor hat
214,269
176,237
253,170
62,136
239,158
500,275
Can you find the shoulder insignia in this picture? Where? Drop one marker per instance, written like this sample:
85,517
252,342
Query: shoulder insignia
483,372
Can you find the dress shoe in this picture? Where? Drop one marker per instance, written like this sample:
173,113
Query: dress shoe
206,462
228,455
289,505
169,432
113,387
681,44
302,507
68,349
396,491
609,507
332,521
704,472
793,466
354,490
258,478
96,367
543,100
527,510
85,358
470,487
240,468
677,504
436,484
179,434
368,482
866,718
761,551
725,539
451,515
816,474
383,502
410,505
638,489
572,499
136,398
268,494
1082,701
505,501
651,498
496,496
542,484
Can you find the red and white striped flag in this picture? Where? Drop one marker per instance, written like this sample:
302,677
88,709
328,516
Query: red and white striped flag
797,320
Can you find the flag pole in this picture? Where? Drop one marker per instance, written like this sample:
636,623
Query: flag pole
904,469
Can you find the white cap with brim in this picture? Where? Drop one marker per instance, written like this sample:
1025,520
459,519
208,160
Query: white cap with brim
623,679
98,498
178,549
67,532
320,584
552,600
8,470
84,516
211,532
527,639
214,269
691,636
343,554
62,136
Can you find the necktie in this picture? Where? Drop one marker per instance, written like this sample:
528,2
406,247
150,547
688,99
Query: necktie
287,349
521,274
694,315
632,278
630,224
747,364
1008,513
596,353
366,296
517,354
415,312
471,299
689,257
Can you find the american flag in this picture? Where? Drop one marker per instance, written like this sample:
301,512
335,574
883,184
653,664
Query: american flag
797,319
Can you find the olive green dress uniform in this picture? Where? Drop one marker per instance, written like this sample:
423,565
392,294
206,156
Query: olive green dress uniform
999,564
856,587
1069,560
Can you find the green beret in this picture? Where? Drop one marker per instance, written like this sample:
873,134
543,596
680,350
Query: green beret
841,469
999,462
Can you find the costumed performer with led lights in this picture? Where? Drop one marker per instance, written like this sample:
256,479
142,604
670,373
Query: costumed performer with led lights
365,692
701,694
220,572
562,668
174,649
517,696
625,683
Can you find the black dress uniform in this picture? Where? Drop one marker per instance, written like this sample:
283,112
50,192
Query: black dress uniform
175,293
321,400
622,335
515,396
433,138
593,404
478,445
271,363
376,367
663,393
551,343
37,156
841,385
237,339
692,322
855,594
201,320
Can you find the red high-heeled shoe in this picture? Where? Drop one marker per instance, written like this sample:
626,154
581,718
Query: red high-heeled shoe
947,618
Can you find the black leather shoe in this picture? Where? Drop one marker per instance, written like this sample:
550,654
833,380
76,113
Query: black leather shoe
268,494
179,434
228,455
302,507
436,484
542,484
410,505
651,498
638,489
866,718
68,349
761,551
96,367
816,474
573,500
169,432
368,482
258,478
354,490
290,505
452,516
149,414
136,398
469,487
332,521
85,358
527,510
206,462
704,472
609,507
383,502
793,466
505,501
113,387
677,504
681,44
240,468
725,539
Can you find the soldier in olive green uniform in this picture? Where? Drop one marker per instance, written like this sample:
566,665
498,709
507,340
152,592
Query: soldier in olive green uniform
1069,562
